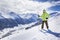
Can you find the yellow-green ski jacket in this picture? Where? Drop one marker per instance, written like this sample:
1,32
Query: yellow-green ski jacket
45,16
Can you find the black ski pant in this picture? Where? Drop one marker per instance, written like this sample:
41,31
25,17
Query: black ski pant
45,23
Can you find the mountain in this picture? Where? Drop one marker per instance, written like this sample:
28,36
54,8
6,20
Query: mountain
35,33
14,19
54,14
17,19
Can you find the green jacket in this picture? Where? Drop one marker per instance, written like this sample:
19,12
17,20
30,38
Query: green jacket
45,16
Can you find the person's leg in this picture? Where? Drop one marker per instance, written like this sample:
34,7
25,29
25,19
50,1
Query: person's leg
42,24
46,24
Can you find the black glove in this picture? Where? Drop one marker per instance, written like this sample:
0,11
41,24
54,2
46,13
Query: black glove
38,15
46,18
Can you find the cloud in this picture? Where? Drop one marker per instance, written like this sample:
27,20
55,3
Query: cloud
23,6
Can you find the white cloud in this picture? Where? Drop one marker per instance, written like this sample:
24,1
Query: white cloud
24,6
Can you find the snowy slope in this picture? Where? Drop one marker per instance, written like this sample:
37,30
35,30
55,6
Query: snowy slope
35,33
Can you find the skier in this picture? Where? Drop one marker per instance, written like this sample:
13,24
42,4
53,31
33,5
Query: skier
44,18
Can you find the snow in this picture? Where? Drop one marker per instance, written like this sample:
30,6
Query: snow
14,23
34,33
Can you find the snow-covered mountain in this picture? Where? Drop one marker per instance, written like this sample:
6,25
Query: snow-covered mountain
13,19
12,23
54,14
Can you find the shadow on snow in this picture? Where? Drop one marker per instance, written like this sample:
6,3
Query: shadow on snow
51,32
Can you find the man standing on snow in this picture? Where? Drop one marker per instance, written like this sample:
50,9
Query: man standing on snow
44,18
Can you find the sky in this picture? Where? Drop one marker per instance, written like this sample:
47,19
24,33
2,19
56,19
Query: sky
29,6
